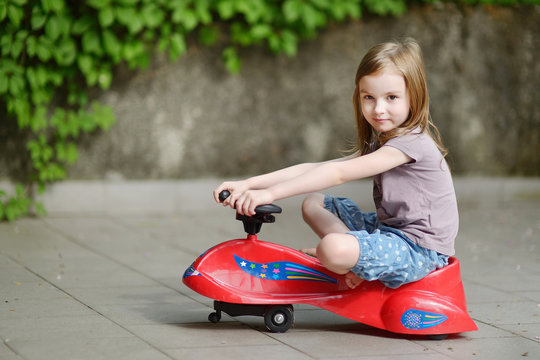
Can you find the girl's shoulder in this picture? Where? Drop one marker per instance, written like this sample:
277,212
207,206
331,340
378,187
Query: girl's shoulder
414,137
416,144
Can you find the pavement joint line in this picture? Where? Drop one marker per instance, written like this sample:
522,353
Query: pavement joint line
97,252
288,345
6,344
75,241
84,246
89,307
183,249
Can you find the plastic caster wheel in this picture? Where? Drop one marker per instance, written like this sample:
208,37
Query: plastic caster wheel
279,318
214,317
437,337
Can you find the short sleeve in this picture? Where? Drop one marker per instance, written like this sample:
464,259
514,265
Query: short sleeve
411,145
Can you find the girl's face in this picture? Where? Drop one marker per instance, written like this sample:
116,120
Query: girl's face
384,99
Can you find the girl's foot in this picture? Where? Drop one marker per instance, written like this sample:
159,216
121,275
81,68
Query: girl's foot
352,280
310,252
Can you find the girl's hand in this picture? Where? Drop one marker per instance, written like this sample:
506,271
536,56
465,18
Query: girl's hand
249,200
236,188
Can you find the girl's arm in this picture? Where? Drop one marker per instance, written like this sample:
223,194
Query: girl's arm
322,176
266,180
237,188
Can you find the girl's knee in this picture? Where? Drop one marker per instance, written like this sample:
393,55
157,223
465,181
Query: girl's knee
331,247
338,252
311,203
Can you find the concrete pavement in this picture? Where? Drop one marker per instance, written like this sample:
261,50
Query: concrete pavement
100,278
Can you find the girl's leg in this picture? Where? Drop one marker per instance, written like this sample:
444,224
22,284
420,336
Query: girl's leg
337,251
322,221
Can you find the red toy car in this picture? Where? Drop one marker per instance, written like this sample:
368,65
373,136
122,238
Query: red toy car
252,277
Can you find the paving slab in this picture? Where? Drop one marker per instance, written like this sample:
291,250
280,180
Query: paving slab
100,278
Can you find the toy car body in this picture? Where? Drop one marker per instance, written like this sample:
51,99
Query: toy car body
252,277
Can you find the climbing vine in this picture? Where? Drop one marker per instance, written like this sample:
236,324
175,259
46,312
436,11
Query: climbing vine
54,51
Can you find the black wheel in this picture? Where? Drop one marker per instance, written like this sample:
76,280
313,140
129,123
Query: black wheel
214,317
279,318
437,337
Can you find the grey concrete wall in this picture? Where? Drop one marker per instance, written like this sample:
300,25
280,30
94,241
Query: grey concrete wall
193,119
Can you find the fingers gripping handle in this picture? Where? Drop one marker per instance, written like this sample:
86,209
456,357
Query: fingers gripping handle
264,209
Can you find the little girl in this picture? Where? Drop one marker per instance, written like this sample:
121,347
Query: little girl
413,231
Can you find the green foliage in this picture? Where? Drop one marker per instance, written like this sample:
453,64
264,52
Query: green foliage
53,51
15,206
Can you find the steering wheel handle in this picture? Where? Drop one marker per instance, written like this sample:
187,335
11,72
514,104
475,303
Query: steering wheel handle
223,195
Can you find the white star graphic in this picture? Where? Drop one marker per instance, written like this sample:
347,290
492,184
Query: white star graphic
243,263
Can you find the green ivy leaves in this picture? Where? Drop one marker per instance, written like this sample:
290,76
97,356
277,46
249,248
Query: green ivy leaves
46,50
16,206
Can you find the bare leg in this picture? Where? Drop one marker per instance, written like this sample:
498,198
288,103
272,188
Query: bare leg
322,221
339,253
337,250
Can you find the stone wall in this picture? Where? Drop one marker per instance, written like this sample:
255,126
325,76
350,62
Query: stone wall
193,119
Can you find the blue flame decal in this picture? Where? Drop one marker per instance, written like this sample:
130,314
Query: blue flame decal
418,319
282,270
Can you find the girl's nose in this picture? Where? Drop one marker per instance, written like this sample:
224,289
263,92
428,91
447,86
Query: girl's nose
379,108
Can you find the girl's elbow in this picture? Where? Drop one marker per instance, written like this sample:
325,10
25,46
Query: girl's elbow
339,178
342,180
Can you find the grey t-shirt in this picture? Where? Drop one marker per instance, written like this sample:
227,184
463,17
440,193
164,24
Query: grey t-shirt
418,198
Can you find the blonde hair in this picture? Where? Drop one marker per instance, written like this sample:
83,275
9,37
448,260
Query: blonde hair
406,58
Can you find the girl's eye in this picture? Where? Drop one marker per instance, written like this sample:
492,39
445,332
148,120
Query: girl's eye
392,97
368,97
